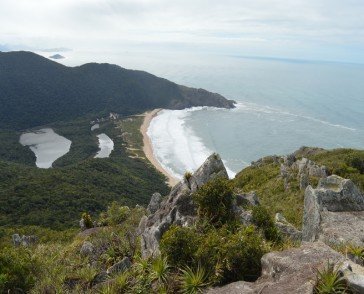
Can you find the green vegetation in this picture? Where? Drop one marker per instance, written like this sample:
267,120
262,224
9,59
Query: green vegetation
265,180
12,150
36,91
56,197
130,127
193,281
329,281
214,201
264,221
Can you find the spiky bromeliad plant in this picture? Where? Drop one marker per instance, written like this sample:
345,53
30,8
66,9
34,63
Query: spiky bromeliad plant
193,281
160,269
329,281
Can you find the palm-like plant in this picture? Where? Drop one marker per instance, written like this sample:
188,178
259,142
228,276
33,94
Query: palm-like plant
193,281
329,281
160,269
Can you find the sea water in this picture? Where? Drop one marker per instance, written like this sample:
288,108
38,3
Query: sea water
281,106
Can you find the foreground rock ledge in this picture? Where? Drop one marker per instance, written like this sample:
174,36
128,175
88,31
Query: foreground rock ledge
288,271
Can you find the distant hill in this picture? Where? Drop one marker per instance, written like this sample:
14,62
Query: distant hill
36,91
57,56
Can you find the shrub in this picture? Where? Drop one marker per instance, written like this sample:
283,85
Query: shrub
263,220
179,244
116,213
329,281
87,220
214,201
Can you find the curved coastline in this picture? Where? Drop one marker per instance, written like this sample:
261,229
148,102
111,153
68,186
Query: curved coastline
148,148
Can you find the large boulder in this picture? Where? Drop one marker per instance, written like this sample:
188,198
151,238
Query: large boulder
331,210
178,208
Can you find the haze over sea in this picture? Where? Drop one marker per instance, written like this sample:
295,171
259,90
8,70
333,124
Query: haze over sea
281,105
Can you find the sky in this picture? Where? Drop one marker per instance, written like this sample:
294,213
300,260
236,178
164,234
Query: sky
330,30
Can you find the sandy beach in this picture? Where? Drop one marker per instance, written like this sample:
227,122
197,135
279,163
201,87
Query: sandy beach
148,149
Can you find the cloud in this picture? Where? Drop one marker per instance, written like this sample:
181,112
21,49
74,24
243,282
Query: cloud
329,27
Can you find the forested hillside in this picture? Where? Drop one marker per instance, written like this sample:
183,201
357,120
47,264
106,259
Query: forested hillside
35,91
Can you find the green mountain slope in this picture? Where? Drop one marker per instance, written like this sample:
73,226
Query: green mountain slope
36,91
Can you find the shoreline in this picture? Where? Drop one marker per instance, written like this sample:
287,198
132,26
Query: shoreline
148,148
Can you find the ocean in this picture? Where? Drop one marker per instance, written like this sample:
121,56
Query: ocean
281,106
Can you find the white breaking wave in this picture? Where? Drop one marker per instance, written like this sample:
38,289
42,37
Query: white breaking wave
177,148
252,107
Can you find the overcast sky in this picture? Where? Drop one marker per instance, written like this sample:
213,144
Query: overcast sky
307,29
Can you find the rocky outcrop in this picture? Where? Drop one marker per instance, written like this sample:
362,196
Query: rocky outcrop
287,229
87,249
289,271
331,210
119,267
303,169
154,203
178,208
24,240
247,199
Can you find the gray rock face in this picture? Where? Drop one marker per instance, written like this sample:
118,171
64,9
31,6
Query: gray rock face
154,203
247,199
288,271
87,249
342,227
329,211
286,228
178,208
82,224
120,266
338,194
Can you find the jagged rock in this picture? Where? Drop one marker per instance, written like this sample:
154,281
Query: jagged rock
154,203
288,271
337,195
304,181
247,199
120,266
82,224
16,240
354,276
178,208
286,228
212,168
24,240
289,159
87,249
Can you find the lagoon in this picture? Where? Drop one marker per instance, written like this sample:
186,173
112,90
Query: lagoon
46,145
